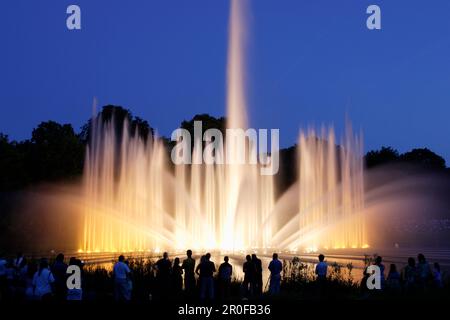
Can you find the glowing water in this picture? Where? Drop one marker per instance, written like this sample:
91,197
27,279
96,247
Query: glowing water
331,192
123,192
135,202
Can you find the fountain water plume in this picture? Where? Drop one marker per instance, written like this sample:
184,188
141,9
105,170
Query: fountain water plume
331,191
134,202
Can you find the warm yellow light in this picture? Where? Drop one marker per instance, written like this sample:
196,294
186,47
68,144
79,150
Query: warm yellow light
218,207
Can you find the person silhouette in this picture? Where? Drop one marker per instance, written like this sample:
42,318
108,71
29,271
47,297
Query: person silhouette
59,269
378,262
121,272
43,280
437,276
409,276
275,267
393,279
177,278
163,271
225,272
189,275
197,271
321,269
75,294
32,267
257,280
321,272
206,270
423,271
249,276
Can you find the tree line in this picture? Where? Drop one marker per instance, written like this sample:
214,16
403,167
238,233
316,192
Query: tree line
56,151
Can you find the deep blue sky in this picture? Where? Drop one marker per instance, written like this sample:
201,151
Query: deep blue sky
311,62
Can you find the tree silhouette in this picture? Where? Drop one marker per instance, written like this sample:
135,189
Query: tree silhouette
13,171
118,115
57,152
208,122
382,156
425,158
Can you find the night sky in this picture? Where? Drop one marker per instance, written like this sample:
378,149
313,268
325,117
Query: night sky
310,62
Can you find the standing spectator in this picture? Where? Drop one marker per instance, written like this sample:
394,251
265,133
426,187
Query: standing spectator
437,277
378,262
121,274
59,270
275,267
393,279
197,269
75,294
163,270
409,276
29,287
42,281
423,271
21,277
225,272
206,270
177,278
365,292
129,282
321,268
189,274
249,276
258,281
321,272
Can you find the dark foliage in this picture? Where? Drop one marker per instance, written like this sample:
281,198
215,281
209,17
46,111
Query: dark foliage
424,157
208,122
382,156
419,157
53,153
119,116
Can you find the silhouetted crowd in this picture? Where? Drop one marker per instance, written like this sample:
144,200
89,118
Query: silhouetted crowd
414,278
31,280
169,277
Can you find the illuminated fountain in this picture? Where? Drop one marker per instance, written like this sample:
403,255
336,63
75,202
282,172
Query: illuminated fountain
331,192
134,201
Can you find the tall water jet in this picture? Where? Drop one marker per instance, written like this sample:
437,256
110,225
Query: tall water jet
134,201
227,216
236,119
